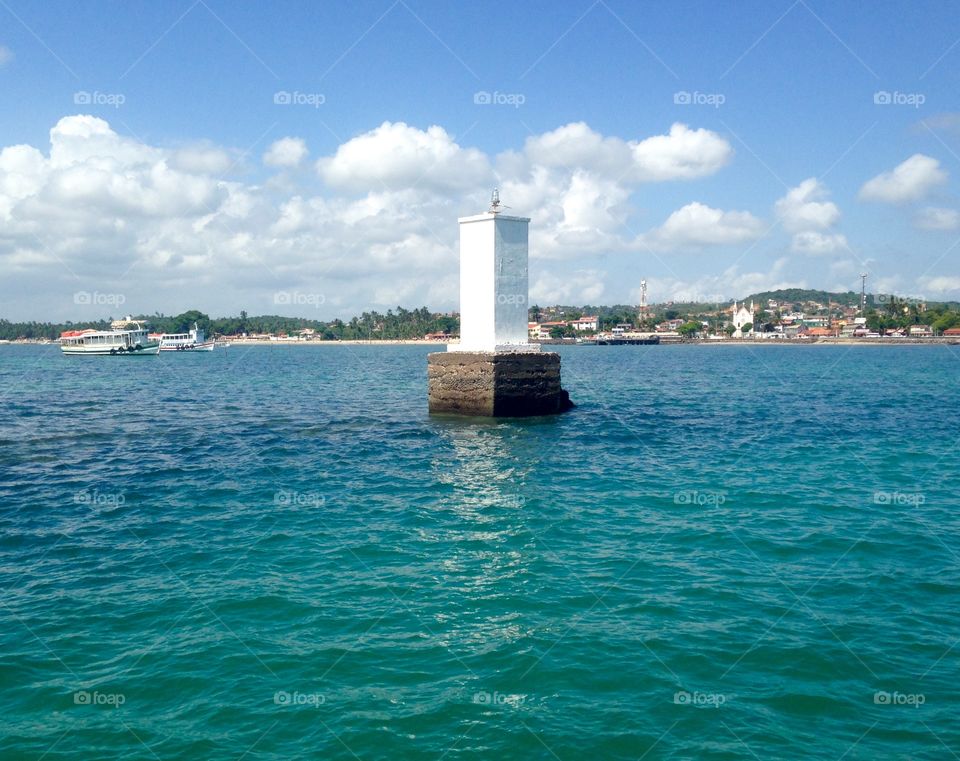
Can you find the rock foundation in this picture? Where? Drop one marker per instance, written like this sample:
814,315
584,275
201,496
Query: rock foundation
496,384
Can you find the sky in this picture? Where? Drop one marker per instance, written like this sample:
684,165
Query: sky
312,159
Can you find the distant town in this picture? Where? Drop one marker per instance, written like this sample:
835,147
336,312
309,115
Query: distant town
783,315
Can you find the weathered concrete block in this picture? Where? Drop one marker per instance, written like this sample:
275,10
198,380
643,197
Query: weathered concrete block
496,384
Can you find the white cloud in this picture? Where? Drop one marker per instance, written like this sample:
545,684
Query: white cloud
947,122
697,225
940,284
909,181
6,55
286,152
891,284
185,227
202,159
732,283
397,156
933,218
805,212
817,243
682,154
802,209
578,287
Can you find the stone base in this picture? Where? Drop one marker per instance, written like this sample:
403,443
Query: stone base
496,384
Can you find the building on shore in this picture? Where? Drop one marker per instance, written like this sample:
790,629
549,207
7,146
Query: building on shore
586,323
741,317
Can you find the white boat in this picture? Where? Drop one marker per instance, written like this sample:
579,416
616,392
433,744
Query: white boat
192,341
131,340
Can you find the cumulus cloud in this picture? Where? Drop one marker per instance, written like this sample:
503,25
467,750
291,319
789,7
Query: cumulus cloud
732,283
178,227
909,181
697,225
817,243
934,218
104,212
202,159
805,212
940,284
577,287
287,152
397,156
682,154
802,208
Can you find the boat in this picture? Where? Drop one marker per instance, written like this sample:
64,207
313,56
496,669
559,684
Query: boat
194,340
130,340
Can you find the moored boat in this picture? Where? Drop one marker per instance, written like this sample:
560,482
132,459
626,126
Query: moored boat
194,340
130,340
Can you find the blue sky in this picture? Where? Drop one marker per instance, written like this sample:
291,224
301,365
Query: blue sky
181,182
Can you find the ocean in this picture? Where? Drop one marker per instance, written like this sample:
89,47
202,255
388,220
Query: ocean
724,552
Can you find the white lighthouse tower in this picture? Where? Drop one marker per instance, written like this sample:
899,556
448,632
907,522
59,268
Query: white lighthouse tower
494,371
494,282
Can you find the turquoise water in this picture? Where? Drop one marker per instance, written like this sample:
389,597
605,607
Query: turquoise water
275,553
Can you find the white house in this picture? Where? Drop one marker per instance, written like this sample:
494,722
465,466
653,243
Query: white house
587,322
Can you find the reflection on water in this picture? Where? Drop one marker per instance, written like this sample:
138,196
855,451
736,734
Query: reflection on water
494,460
491,547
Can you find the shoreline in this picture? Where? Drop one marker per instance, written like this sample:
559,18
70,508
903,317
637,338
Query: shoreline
441,346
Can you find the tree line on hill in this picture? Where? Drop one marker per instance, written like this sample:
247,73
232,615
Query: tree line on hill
399,324
883,313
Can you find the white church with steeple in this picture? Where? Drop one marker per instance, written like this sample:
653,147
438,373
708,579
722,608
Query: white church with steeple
742,316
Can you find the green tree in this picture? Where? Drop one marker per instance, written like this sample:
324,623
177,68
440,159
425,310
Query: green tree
947,321
184,322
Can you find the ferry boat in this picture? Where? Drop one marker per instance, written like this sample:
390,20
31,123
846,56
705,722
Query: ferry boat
192,341
130,340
